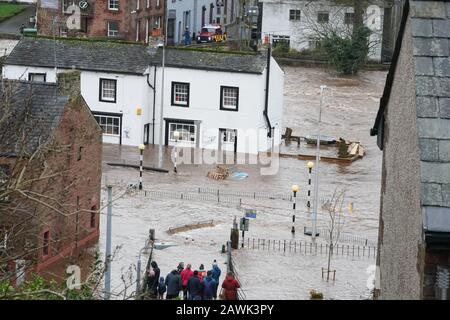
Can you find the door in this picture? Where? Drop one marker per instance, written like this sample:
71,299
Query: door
171,31
228,140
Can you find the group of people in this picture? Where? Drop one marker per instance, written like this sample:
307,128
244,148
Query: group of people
196,284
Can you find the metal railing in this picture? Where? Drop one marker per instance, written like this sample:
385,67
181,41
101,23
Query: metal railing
309,248
231,267
345,237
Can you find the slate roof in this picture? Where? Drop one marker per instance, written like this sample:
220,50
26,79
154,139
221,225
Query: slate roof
103,56
430,29
30,111
128,58
213,61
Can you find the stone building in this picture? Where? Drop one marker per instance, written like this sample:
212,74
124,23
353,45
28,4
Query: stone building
50,175
413,130
131,20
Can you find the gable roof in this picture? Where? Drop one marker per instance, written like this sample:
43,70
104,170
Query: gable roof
102,56
238,62
127,58
29,112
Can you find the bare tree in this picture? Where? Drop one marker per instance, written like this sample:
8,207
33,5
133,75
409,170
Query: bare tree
334,209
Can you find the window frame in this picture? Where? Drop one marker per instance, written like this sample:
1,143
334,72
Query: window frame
224,108
113,8
293,15
31,74
323,13
172,94
100,91
352,20
112,125
108,29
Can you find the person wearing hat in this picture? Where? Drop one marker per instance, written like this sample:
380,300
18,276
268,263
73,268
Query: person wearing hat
201,272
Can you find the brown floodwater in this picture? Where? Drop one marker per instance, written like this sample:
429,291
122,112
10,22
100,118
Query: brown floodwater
349,109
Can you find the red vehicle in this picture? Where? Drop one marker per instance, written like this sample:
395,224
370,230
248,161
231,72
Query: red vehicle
211,33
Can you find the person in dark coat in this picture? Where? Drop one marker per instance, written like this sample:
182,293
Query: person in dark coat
152,280
173,283
230,286
209,287
161,288
195,287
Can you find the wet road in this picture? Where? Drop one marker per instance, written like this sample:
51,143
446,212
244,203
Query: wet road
12,25
349,111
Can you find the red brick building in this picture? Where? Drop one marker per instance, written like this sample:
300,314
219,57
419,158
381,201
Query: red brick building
131,20
50,175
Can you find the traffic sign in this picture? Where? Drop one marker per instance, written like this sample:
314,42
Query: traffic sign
250,213
244,224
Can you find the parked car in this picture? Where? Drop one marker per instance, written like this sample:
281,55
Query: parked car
211,33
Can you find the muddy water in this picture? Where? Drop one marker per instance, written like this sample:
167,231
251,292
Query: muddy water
349,110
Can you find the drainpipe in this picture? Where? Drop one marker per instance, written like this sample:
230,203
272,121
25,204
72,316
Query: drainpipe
154,103
266,103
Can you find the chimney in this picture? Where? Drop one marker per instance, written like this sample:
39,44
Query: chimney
69,84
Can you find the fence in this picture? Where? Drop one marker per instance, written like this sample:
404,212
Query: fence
232,267
309,248
346,237
198,225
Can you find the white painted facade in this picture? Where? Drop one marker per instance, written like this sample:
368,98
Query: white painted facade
134,96
188,13
277,22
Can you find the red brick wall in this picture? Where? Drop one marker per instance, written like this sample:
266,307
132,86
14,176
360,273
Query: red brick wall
66,174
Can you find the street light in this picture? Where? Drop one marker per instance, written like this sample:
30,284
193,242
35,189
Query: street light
310,166
141,158
294,189
176,135
316,182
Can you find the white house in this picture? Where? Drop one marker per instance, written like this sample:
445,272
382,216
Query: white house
194,14
299,21
215,100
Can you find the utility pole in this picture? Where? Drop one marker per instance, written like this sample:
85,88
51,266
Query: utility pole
108,245
316,182
161,118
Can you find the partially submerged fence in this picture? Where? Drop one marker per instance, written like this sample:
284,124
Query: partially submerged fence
232,267
309,248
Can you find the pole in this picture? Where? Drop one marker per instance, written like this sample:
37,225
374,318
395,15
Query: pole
316,182
308,203
176,154
138,276
293,211
141,159
243,232
108,245
161,118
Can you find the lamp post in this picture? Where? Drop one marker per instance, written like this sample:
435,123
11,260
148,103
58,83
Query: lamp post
141,160
176,135
316,182
310,166
294,189
161,114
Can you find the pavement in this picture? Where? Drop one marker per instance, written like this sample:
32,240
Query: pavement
12,25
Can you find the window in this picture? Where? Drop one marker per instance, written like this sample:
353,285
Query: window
110,124
349,17
323,17
138,3
46,243
157,22
113,4
229,98
37,77
148,4
93,214
281,40
108,90
80,152
180,94
113,28
294,15
187,132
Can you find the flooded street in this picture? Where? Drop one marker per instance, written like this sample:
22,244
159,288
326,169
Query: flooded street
349,111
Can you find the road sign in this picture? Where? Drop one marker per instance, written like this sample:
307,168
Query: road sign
244,224
250,213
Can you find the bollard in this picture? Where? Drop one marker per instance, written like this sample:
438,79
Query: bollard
284,245
224,249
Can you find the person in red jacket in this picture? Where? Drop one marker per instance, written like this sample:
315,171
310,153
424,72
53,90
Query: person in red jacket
230,286
185,275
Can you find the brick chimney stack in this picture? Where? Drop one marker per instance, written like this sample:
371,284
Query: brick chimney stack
69,84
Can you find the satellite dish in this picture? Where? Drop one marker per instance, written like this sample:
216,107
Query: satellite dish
83,4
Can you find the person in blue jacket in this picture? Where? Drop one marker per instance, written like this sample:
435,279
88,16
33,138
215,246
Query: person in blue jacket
187,37
209,287
215,274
